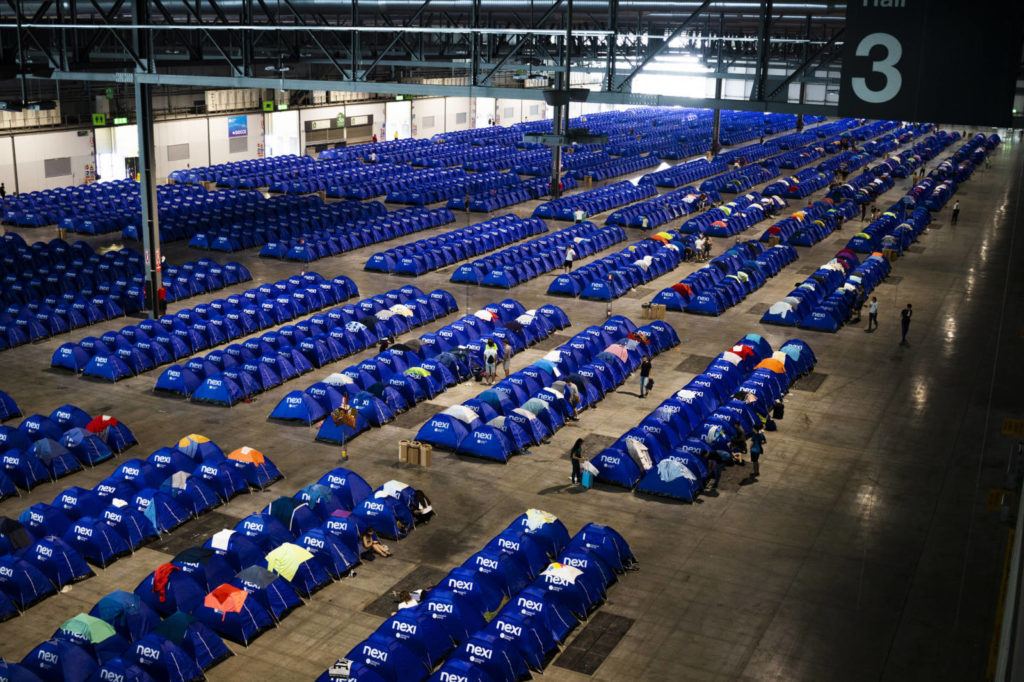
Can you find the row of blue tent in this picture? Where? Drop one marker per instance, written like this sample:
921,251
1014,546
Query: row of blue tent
151,343
667,453
280,218
424,255
811,224
357,234
243,168
242,370
616,166
728,279
826,300
441,185
8,407
732,218
594,201
614,275
45,448
500,615
385,177
522,262
530,405
139,501
492,200
663,208
801,184
408,373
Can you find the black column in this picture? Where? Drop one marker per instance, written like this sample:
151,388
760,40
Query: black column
150,224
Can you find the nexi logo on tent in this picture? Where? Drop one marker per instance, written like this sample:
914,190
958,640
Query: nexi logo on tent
484,435
6,571
254,526
508,544
439,425
484,562
147,652
83,531
336,480
509,628
48,657
43,550
374,506
576,563
529,604
403,628
112,516
111,676
447,609
375,653
452,677
238,126
479,651
460,584
315,542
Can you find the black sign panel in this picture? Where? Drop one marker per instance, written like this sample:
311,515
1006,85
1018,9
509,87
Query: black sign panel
947,61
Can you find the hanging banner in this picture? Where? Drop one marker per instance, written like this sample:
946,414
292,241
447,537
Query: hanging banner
238,126
939,61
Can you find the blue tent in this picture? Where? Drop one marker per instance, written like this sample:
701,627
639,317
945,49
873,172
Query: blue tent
232,613
194,638
299,406
11,437
109,367
218,390
416,628
70,356
77,502
87,447
67,416
8,408
535,600
222,477
459,669
487,442
179,592
163,660
386,516
445,607
14,672
390,658
497,657
7,487
120,670
22,582
264,530
332,553
483,591
118,436
295,515
59,660
37,426
178,380
512,576
55,559
127,613
96,541
170,460
527,553
142,474
606,542
447,429
42,519
530,634
275,593
161,509
205,565
545,528
25,469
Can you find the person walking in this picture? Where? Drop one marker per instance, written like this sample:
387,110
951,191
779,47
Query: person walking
570,256
872,315
490,361
576,457
955,218
645,377
863,212
905,316
757,441
506,356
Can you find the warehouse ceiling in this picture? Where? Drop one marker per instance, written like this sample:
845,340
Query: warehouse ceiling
67,48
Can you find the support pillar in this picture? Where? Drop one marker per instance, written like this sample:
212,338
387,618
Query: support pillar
149,223
716,123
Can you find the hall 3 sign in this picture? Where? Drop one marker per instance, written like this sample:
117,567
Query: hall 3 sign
944,61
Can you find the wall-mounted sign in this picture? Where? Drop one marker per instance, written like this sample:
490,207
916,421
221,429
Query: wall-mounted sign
238,126
932,61
99,119
120,120
268,105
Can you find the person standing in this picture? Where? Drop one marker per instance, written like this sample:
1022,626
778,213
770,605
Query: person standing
872,315
491,361
955,218
576,457
3,191
757,441
714,473
506,356
645,377
570,256
863,212
905,316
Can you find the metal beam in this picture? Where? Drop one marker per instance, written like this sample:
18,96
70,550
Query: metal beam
807,62
149,223
394,41
678,31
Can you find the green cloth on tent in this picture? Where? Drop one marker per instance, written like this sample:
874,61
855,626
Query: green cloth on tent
89,628
286,559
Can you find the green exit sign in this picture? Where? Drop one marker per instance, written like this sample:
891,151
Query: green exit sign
99,119
120,120
282,106
341,120
268,105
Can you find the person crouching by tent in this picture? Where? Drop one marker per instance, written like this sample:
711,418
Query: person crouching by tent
490,361
423,511
738,446
372,547
576,457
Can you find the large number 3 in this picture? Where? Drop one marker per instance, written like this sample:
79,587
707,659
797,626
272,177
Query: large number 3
886,67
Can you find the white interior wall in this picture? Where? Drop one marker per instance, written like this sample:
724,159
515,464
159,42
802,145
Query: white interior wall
455,106
219,142
485,109
509,111
375,109
428,116
282,132
32,150
7,163
190,131
398,118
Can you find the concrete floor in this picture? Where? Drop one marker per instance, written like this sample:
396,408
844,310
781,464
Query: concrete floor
870,548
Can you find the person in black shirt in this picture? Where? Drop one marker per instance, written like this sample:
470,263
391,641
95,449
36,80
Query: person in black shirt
645,373
905,316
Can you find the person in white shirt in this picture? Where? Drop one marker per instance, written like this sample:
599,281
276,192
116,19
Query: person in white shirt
872,315
570,256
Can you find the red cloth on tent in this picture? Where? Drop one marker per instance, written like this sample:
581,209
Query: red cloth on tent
161,576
